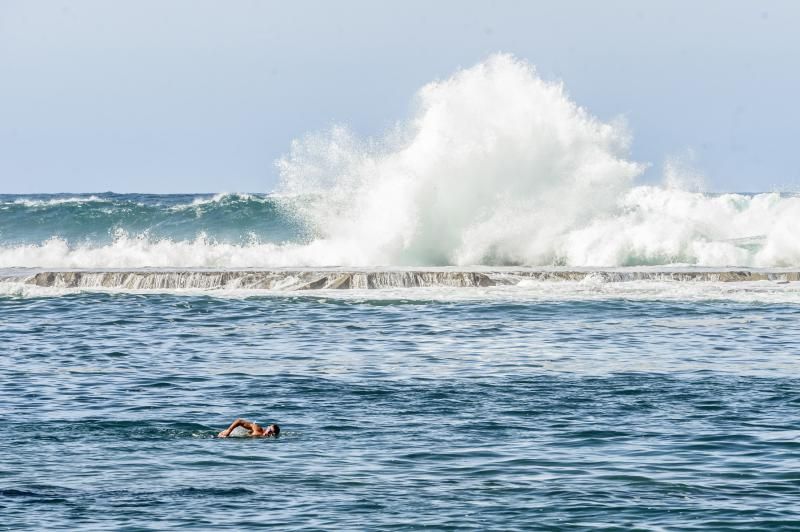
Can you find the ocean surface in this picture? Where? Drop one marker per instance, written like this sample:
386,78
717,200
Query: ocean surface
604,401
398,413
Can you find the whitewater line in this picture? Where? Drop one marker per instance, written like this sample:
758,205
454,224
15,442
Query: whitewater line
326,279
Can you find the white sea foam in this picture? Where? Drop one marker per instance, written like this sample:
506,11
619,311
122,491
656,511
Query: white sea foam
140,251
32,202
217,198
525,291
24,290
653,226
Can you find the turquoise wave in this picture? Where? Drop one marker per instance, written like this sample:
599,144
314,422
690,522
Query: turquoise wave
97,219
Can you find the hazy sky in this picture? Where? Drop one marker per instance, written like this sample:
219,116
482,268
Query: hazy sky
181,96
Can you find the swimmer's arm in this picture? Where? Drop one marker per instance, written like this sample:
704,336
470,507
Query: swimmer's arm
239,422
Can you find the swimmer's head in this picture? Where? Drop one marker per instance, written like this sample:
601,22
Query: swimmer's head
273,430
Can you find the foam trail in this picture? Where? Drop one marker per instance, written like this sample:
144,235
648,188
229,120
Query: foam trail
58,201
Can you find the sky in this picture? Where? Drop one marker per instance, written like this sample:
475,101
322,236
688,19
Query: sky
199,96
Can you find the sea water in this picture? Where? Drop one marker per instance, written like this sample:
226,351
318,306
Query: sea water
647,379
652,403
398,412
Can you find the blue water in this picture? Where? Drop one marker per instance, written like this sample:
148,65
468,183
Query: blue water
398,414
558,405
648,226
97,219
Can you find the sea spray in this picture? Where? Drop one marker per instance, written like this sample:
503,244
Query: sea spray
495,167
499,167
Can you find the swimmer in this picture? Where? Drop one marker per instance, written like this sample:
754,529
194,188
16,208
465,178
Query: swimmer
256,430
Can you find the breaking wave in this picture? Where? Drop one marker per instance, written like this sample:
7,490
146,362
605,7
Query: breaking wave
495,166
499,167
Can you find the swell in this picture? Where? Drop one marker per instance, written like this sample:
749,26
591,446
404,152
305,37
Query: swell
96,220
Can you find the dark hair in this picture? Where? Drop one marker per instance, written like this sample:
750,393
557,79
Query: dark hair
277,429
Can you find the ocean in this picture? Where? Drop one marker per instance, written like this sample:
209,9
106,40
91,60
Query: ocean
515,397
489,318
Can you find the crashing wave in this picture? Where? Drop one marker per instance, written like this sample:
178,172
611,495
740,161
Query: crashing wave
495,166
